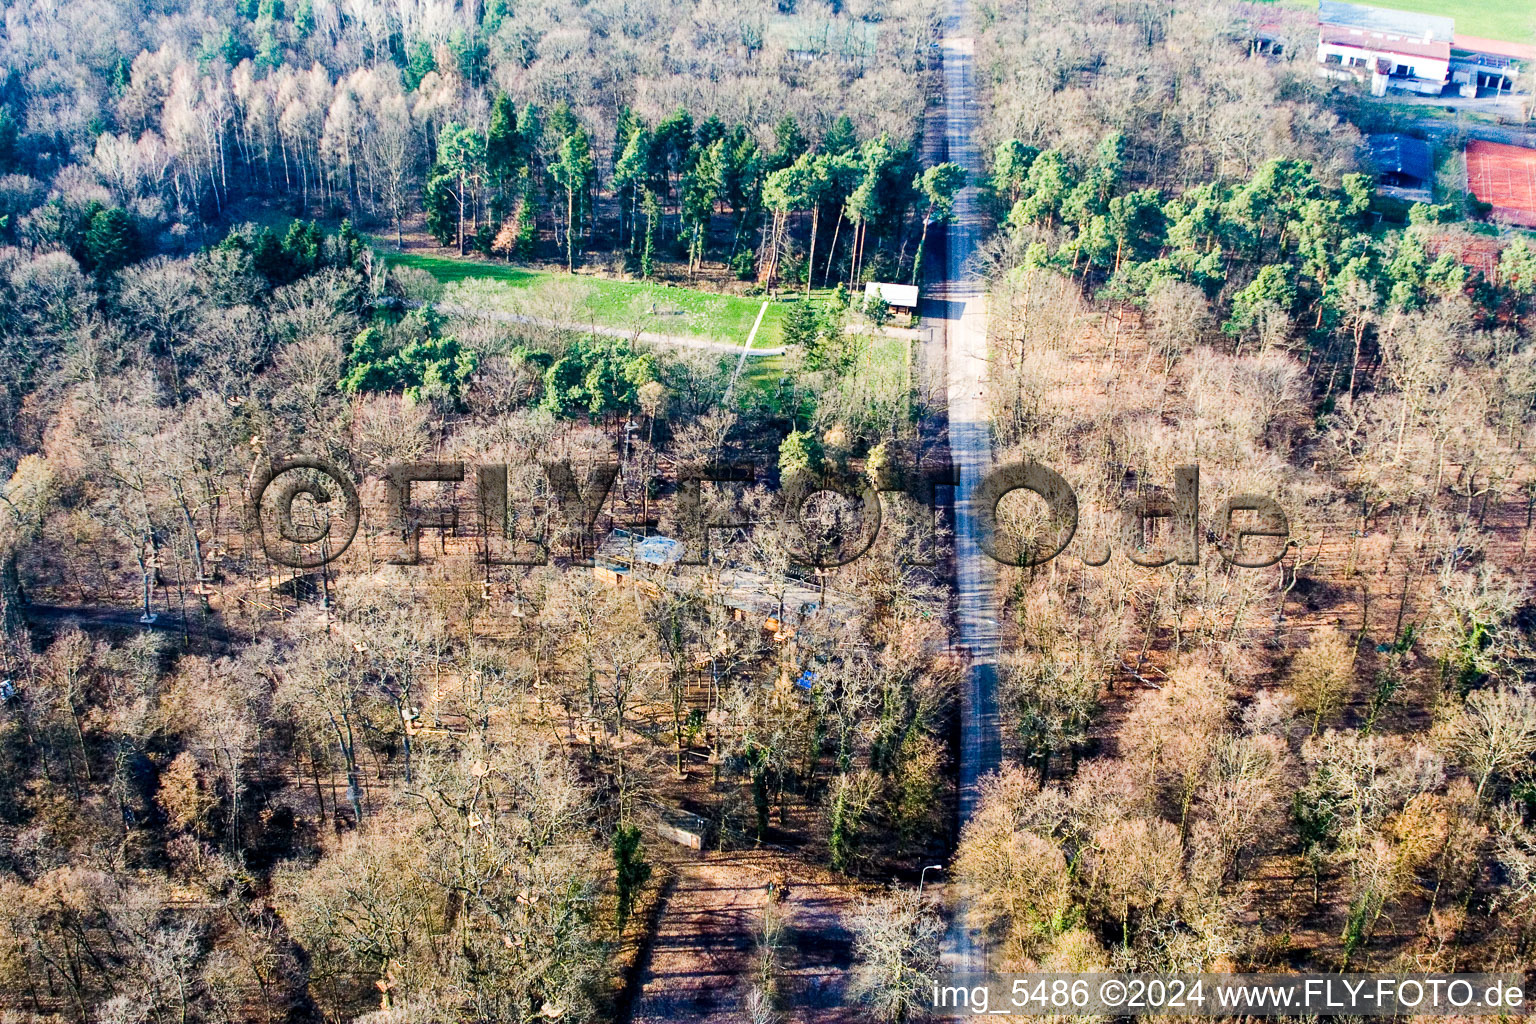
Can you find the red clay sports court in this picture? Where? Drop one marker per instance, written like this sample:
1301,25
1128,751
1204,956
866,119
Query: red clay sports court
1504,177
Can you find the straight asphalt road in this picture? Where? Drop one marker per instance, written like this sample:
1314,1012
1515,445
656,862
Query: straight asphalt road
964,326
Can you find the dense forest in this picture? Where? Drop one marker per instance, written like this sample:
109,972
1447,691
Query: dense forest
1329,761
450,770
509,121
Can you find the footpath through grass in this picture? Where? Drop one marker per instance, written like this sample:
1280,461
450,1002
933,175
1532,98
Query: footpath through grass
628,305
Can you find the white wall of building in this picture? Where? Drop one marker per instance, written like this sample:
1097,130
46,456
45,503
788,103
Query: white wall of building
1430,72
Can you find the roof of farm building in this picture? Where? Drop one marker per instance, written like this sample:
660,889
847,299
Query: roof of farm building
1387,22
1386,44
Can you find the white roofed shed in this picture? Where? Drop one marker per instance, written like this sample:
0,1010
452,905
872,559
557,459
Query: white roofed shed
897,296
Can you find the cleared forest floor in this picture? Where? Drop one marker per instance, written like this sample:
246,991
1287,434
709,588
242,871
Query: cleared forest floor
700,964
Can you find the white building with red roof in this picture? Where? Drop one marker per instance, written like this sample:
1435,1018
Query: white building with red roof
1389,49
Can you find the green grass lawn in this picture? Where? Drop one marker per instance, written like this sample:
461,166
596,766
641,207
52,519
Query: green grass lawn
764,373
770,333
665,309
1513,21
451,271
878,389
874,390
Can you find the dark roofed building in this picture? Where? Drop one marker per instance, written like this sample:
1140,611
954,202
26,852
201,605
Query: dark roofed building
1404,166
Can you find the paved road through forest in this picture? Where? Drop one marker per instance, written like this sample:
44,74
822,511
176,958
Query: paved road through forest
964,325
